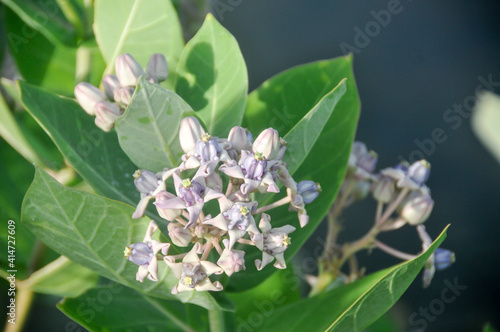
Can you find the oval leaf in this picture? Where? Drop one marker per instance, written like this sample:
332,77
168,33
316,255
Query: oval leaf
149,130
138,27
352,307
93,231
212,77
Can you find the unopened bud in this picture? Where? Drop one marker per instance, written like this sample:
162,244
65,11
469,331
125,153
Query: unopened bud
111,84
106,115
443,258
267,143
180,237
168,214
124,95
157,67
87,96
309,190
417,209
128,70
231,261
239,139
189,133
419,171
384,190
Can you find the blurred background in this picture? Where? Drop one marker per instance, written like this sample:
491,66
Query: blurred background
428,58
418,70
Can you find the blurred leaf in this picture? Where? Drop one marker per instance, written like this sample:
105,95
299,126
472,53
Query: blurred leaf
93,231
95,155
486,122
352,307
386,323
45,17
148,131
40,61
124,309
11,132
302,137
327,160
488,327
138,27
62,277
16,173
212,77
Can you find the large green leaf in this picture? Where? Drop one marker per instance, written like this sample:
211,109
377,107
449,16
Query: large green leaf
40,61
124,309
46,17
149,130
138,27
302,137
212,77
352,307
95,155
61,277
92,231
327,160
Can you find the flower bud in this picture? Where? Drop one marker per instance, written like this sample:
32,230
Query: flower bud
123,95
267,143
207,148
110,83
87,96
231,261
189,133
145,181
106,115
367,161
191,192
419,171
443,258
309,190
384,190
239,139
361,189
255,166
168,214
157,67
128,70
180,237
417,209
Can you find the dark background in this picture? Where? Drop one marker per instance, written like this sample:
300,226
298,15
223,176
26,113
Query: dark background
428,58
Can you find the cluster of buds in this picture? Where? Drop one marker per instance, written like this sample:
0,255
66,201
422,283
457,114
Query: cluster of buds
249,168
109,104
402,198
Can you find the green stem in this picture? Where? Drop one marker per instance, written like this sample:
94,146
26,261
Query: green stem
216,320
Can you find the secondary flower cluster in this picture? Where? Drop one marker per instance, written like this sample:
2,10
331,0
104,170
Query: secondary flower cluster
107,106
248,167
402,196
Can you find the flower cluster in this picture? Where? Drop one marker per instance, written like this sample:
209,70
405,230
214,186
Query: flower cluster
402,199
107,106
245,168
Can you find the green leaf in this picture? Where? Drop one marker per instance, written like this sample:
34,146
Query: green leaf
149,130
352,307
45,17
12,133
302,137
61,277
40,61
95,155
327,160
212,77
118,308
138,27
93,231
